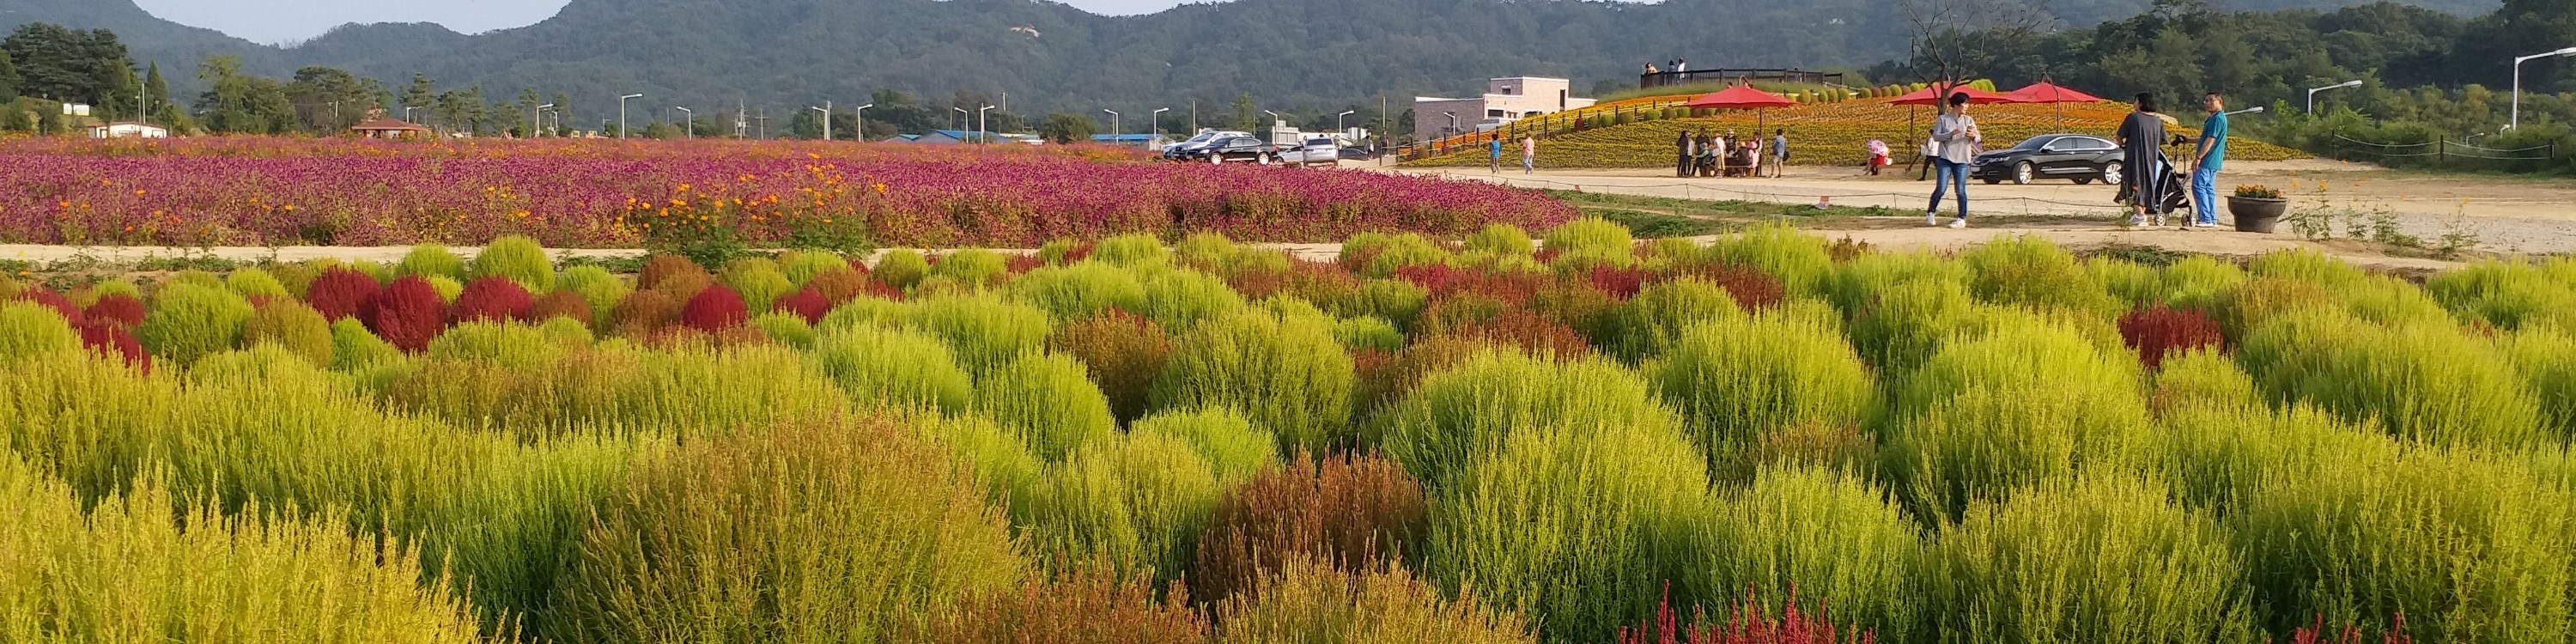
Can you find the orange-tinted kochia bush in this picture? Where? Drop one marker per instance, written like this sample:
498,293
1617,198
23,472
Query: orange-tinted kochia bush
561,304
1090,604
1352,512
1122,352
644,311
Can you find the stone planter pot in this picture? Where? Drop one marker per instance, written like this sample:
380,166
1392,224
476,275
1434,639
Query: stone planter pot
2254,215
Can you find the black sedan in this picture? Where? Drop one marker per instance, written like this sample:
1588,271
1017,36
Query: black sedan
1219,151
2077,157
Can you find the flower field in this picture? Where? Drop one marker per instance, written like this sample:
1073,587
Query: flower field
1837,133
251,191
1769,439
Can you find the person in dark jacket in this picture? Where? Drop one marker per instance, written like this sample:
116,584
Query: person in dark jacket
2142,137
1683,147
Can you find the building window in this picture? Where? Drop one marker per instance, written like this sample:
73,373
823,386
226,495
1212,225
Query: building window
1494,113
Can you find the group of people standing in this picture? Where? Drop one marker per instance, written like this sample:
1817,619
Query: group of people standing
1709,154
2147,187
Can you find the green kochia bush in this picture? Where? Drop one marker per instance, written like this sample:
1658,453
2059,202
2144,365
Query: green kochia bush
1313,601
189,321
983,331
2420,382
352,346
1500,239
810,532
1234,449
2028,271
1900,326
1049,401
2509,295
758,281
1012,476
1288,376
294,326
1590,237
2470,547
801,266
1138,501
2024,406
2547,358
1650,323
1135,249
901,268
894,368
145,567
1078,291
1469,411
1803,263
1180,299
1831,539
430,260
29,330
254,282
1740,383
1573,526
973,267
518,259
597,286
2100,560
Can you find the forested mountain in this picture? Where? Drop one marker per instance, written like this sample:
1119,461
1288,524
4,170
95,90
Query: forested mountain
1292,54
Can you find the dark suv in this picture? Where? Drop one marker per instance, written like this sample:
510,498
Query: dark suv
1239,148
2078,157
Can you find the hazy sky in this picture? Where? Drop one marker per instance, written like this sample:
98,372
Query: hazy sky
276,21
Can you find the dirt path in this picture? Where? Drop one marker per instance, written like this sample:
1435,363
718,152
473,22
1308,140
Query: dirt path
2506,214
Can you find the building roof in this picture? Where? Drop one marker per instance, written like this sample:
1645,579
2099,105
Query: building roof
1125,137
1529,78
125,123
389,124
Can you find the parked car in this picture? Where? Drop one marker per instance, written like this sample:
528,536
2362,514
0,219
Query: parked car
1318,150
1202,140
2077,157
1231,148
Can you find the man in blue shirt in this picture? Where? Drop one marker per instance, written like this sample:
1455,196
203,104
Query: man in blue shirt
2213,153
1498,154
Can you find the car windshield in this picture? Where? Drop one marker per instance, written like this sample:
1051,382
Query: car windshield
1319,143
1203,137
2035,143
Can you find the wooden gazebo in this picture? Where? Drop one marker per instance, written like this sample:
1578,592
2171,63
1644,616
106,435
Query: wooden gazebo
391,129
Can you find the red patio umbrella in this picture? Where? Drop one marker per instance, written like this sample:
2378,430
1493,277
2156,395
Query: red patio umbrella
2045,92
1742,97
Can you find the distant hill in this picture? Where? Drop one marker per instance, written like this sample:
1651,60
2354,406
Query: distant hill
1296,54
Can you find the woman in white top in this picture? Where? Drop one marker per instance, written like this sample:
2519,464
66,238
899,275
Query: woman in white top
1956,137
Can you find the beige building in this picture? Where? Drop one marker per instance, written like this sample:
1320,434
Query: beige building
1505,100
128,130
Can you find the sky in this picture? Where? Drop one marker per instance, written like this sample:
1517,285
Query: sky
281,21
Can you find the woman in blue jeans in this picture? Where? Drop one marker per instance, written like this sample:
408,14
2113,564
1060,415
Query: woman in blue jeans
1954,140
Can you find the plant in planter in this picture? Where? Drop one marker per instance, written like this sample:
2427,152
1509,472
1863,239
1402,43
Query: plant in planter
2257,208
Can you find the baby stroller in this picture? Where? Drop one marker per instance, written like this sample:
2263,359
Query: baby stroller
2173,184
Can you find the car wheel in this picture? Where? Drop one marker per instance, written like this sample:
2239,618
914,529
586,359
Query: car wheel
1216,159
2021,173
2111,173
1265,158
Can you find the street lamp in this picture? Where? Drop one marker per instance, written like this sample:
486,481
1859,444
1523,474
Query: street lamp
983,124
1115,128
863,121
621,113
963,119
826,109
536,118
2312,94
2517,81
2258,109
688,126
1453,122
407,114
1337,120
1157,118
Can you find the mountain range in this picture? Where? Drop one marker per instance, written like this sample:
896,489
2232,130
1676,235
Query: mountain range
1039,56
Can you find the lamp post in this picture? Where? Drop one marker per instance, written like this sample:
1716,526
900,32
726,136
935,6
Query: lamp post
688,126
2517,82
963,119
1453,123
1115,128
2258,109
2312,94
1337,120
407,113
983,124
536,118
826,109
621,113
1157,118
863,122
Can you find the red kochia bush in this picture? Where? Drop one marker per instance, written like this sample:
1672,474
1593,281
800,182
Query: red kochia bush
407,314
62,305
1751,623
840,285
715,308
340,292
111,340
2159,332
805,303
1532,333
1441,279
1619,283
116,307
492,299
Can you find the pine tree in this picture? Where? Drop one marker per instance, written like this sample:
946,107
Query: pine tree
8,78
1244,111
